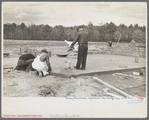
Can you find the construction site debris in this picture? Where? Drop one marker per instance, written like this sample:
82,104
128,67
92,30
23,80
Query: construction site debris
136,73
125,75
113,88
6,54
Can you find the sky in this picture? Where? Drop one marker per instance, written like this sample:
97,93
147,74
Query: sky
75,13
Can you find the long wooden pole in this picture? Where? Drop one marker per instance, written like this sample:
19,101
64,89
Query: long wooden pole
115,89
126,75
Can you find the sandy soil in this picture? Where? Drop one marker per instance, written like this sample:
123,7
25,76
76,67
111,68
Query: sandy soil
22,84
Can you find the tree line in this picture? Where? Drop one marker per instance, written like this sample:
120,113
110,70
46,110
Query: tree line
101,33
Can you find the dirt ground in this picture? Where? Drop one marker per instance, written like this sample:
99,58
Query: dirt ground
22,84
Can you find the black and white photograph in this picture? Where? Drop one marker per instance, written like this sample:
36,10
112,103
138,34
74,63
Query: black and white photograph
70,59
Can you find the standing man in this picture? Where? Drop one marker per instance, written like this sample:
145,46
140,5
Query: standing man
82,39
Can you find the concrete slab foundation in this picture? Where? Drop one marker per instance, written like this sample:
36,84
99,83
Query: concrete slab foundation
96,63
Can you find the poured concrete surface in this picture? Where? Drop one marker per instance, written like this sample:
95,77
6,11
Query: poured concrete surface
95,63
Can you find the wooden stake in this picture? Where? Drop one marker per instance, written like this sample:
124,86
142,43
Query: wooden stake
119,38
115,89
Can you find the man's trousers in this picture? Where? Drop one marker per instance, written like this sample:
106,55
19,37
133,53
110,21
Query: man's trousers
24,65
82,56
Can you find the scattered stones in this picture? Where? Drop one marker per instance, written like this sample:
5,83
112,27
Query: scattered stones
46,90
6,54
142,72
105,90
14,84
67,64
136,73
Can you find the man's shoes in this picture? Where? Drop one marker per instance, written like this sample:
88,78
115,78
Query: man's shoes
82,68
79,68
40,74
76,68
37,73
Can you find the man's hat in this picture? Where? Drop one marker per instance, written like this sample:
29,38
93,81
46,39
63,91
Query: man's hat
44,50
79,27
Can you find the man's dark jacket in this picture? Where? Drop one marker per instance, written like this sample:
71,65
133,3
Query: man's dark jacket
81,38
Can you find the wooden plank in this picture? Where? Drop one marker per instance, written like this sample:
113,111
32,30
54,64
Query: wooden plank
114,88
126,75
8,68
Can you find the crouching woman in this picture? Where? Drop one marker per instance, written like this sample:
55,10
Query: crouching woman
41,63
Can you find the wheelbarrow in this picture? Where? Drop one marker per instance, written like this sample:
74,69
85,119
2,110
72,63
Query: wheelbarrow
62,55
65,54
